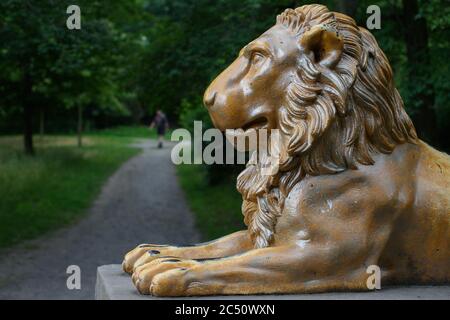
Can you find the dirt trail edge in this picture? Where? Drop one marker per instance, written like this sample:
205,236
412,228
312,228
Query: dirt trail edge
142,202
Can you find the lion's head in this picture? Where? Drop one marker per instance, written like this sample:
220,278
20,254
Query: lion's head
327,86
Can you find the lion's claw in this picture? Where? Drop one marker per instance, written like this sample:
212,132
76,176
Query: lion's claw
143,250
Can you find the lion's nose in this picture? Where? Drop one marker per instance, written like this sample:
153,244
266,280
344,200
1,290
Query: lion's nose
209,98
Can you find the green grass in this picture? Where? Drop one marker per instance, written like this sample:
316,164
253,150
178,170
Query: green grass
127,132
217,208
58,185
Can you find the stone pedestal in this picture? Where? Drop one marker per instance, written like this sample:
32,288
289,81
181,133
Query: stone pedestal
113,284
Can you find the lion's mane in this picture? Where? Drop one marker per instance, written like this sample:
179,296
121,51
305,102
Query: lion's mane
333,119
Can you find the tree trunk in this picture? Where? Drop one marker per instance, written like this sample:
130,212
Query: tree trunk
347,6
421,89
28,129
27,114
42,122
80,126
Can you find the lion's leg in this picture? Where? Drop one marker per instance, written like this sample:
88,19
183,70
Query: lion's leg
232,244
260,271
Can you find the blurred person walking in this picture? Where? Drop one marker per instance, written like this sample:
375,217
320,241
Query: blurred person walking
161,124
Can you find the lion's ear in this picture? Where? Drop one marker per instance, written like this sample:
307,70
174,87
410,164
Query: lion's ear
324,43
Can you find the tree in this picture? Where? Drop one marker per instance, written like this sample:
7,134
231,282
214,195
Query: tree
21,34
421,88
43,61
149,54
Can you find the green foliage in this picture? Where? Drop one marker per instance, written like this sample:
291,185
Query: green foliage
429,75
437,14
90,67
191,41
217,208
193,111
136,56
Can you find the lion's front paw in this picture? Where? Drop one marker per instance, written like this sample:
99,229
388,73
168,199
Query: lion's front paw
144,276
143,254
172,283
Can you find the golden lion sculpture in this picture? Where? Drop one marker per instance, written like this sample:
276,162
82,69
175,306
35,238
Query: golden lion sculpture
355,186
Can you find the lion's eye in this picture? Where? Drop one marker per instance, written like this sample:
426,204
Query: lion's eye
257,57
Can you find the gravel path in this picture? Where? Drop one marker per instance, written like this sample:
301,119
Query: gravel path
140,203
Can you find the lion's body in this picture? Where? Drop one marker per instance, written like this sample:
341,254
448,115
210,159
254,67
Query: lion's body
420,245
354,186
407,229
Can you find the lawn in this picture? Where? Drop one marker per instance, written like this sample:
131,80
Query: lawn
217,208
58,185
127,132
